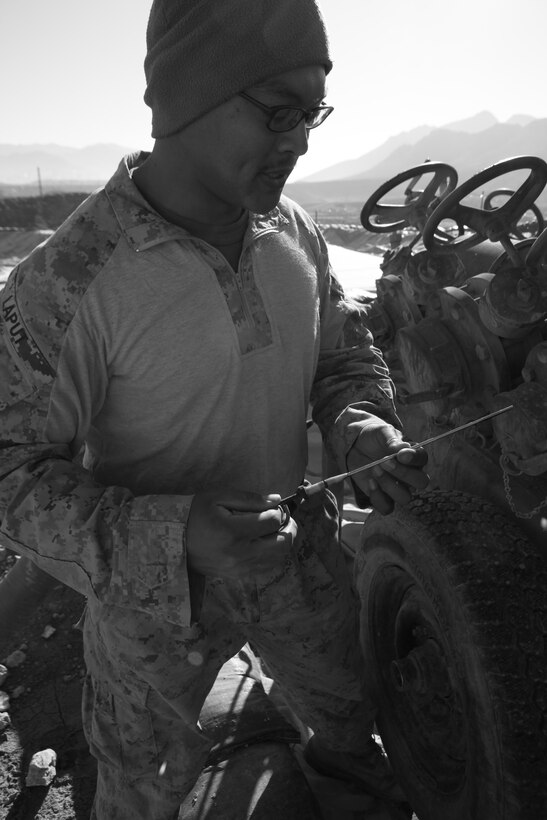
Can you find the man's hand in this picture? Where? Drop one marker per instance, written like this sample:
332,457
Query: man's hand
395,480
236,535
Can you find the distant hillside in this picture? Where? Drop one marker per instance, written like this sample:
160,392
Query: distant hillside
362,165
19,163
468,153
520,119
469,150
469,145
353,167
472,125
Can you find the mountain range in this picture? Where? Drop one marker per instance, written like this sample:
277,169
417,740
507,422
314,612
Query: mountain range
19,164
469,145
415,144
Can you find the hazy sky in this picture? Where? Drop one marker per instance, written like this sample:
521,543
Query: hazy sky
71,71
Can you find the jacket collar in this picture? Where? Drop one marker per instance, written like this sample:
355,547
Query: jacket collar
143,227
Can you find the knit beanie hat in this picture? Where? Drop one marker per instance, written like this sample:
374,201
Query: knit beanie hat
200,53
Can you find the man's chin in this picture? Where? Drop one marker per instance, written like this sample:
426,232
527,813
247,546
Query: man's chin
263,205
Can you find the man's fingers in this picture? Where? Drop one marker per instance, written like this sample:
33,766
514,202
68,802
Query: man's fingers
266,553
251,525
378,498
406,466
395,479
404,453
395,488
385,488
280,540
412,456
242,502
412,476
391,486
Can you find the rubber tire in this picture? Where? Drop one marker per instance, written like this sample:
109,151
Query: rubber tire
453,567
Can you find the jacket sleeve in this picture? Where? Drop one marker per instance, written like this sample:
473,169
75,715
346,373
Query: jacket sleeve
101,541
352,386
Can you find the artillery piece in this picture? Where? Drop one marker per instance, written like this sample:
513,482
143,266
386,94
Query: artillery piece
454,587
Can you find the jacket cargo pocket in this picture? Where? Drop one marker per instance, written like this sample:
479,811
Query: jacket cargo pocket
119,729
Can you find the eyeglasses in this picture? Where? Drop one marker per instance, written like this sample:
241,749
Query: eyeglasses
287,117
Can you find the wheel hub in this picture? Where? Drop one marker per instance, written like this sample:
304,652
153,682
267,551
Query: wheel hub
418,681
422,671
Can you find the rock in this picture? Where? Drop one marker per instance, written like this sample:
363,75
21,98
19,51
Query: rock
41,770
18,691
3,673
15,659
48,631
5,721
4,701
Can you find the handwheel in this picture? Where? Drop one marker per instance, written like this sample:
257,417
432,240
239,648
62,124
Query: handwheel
455,650
474,224
503,261
537,255
417,204
519,230
532,253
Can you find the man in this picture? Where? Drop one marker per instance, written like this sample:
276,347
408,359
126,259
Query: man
176,328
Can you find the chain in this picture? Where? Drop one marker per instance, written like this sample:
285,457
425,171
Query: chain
509,495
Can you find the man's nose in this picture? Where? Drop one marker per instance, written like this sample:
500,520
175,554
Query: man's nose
295,141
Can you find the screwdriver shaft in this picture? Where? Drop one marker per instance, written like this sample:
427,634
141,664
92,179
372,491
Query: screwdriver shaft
311,489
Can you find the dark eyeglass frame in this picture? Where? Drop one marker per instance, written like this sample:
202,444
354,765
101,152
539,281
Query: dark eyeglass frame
305,113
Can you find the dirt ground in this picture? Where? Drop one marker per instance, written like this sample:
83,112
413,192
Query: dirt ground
45,693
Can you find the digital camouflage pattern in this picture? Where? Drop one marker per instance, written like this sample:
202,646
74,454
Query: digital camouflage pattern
136,368
303,623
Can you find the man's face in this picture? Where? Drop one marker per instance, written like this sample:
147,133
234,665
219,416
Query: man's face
232,160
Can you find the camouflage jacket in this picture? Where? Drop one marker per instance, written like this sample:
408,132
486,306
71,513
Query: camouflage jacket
127,339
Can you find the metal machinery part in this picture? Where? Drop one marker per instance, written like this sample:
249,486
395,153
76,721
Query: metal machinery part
473,224
384,217
457,341
531,224
453,587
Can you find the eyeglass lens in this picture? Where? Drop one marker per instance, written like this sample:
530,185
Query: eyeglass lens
285,119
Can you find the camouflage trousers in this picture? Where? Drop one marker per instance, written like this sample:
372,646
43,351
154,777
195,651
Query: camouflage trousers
303,623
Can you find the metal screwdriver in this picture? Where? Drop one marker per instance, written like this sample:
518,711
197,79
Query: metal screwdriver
311,489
